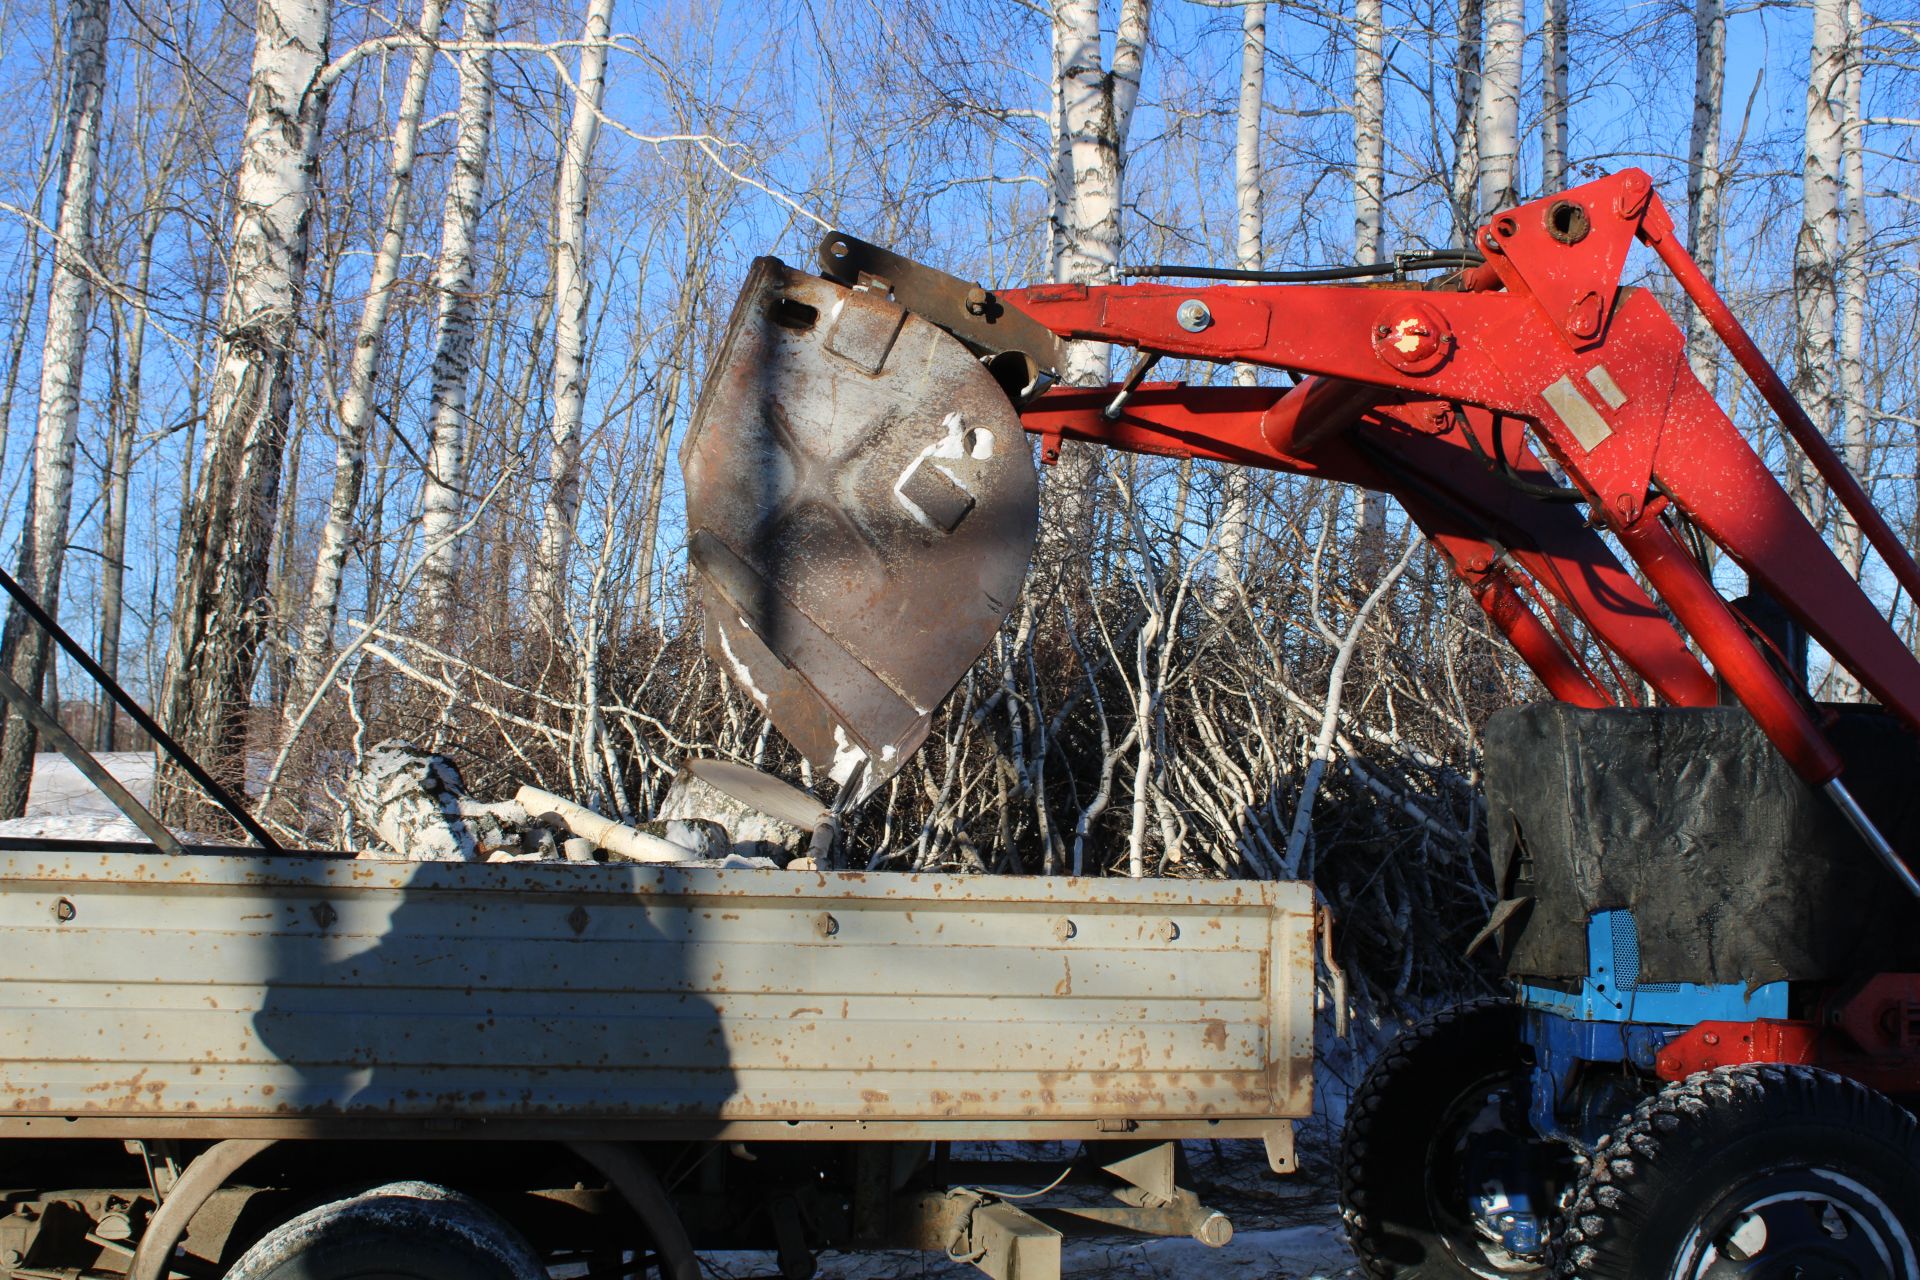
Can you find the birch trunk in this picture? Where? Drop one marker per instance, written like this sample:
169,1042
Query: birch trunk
62,362
1096,111
1324,740
1817,249
1466,105
1704,177
23,319
113,550
356,405
1250,254
570,290
1553,94
205,693
1497,115
1853,288
449,430
1369,191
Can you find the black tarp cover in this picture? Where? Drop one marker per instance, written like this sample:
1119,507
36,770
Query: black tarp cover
1734,868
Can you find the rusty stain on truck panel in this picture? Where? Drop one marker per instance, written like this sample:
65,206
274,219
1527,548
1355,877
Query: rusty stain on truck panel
203,986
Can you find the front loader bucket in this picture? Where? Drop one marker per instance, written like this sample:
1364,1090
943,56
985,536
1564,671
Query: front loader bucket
861,505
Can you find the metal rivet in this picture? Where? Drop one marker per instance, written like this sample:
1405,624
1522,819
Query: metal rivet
1193,316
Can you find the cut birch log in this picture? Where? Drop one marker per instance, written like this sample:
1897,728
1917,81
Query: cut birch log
614,836
416,803
761,815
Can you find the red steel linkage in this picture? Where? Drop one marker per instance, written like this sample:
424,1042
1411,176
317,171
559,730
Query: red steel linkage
1407,389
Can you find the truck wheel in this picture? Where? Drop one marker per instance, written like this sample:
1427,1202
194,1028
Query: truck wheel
1763,1171
401,1231
1439,1123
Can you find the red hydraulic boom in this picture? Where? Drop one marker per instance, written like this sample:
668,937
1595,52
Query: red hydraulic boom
1441,397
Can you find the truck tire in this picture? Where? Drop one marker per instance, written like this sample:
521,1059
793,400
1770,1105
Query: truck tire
1403,1195
1756,1171
401,1231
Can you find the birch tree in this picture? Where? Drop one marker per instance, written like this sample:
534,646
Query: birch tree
1554,24
131,319
355,411
1369,190
1704,176
453,274
1854,409
1096,113
1250,255
570,290
1369,131
217,620
62,362
1817,250
1466,105
1497,114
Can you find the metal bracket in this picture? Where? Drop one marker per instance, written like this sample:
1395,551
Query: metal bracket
177,753
1007,1243
1148,1166
51,729
965,310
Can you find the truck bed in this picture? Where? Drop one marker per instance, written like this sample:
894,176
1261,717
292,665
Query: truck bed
246,995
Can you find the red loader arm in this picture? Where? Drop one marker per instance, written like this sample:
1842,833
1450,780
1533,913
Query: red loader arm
1423,394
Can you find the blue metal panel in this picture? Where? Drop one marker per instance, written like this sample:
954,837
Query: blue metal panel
1612,990
1613,1017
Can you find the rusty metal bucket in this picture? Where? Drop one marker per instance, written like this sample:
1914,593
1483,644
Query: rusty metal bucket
861,506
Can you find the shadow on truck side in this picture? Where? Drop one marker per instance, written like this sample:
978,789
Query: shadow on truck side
443,991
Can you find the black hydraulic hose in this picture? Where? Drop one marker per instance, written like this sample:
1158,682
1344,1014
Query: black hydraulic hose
1409,260
1504,469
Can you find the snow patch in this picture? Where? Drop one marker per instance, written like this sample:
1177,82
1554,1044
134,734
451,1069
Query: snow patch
59,788
740,672
846,755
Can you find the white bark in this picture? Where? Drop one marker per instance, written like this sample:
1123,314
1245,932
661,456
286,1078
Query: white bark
216,621
1466,102
1324,740
1853,287
1553,94
454,320
570,290
1369,189
1817,250
1096,112
1704,176
62,362
356,404
1250,254
1369,131
1497,117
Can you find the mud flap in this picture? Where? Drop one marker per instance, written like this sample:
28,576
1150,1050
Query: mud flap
861,506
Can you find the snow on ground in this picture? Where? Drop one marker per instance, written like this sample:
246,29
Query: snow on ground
63,805
1313,1252
61,790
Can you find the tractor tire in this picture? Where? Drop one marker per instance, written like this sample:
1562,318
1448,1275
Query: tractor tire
1403,1191
402,1231
1757,1171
